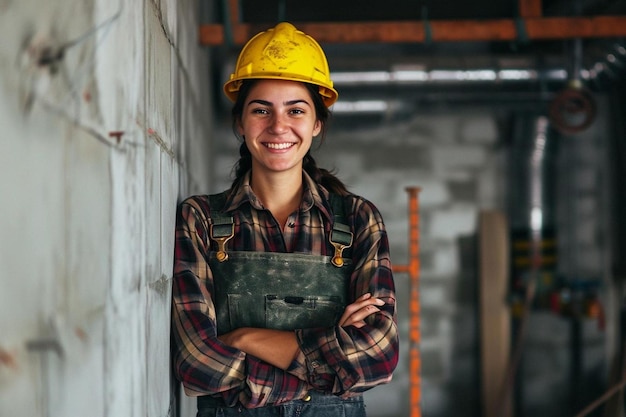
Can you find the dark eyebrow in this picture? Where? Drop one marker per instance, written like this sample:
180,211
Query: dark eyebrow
261,102
288,103
297,101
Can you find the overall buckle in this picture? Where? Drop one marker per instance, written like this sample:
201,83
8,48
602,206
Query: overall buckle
341,238
221,234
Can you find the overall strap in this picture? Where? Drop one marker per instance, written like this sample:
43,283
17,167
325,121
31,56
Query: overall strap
222,227
340,236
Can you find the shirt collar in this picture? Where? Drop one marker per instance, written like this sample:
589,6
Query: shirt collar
313,195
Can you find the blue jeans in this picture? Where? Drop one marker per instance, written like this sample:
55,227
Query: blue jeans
319,406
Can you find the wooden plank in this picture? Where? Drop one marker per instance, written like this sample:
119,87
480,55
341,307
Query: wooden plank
551,28
530,8
495,337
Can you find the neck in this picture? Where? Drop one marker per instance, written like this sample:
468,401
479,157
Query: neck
280,194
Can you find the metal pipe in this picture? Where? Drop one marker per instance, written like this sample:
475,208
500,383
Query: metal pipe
532,214
413,269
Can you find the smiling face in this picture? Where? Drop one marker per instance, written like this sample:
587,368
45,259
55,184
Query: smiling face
278,123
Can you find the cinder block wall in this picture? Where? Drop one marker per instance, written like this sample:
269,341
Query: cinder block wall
103,108
453,157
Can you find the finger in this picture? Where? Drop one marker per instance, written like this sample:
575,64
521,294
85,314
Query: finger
362,302
357,324
364,312
359,316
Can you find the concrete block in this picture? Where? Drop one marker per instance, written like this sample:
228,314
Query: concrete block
120,69
452,222
434,192
439,128
169,174
399,157
452,158
446,260
432,362
479,129
465,191
152,177
158,78
348,165
436,397
434,296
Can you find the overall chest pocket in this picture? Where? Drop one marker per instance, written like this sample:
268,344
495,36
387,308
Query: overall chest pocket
287,312
278,291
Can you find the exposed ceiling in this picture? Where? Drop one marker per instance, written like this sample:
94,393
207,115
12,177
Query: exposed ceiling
252,11
452,49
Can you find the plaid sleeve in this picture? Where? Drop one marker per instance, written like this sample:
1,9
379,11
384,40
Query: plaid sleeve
201,362
350,360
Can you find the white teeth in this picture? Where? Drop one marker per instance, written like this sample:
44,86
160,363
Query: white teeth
283,145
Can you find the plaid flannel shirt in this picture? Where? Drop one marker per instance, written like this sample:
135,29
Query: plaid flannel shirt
337,360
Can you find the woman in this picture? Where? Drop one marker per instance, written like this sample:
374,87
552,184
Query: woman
283,296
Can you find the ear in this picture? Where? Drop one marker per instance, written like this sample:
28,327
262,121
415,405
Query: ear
317,128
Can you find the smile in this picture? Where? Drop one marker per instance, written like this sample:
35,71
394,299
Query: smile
282,145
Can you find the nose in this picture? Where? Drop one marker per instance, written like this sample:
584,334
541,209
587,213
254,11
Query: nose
278,124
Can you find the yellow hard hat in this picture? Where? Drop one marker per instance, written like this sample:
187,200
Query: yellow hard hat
283,53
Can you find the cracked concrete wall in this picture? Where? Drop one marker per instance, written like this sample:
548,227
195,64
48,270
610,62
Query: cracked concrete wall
103,111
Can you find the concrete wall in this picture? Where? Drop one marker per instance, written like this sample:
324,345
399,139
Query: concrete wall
103,107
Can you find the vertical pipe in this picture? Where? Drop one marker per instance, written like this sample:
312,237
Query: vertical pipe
414,324
530,8
533,219
413,268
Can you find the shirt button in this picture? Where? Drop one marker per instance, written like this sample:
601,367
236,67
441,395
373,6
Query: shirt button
307,398
315,364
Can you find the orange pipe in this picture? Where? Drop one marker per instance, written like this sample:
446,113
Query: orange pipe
413,268
497,30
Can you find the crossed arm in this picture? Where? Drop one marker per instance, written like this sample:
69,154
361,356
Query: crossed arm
280,347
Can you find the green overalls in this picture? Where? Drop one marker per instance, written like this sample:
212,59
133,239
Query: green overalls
276,290
283,291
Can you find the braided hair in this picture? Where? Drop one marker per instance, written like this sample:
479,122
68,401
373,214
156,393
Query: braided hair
320,175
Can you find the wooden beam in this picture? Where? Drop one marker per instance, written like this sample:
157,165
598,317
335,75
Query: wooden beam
530,8
543,28
494,315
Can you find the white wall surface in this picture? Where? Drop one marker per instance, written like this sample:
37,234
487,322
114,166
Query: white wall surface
87,220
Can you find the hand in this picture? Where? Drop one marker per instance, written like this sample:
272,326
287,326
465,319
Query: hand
355,313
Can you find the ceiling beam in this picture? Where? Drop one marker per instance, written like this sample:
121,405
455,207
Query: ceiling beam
539,28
